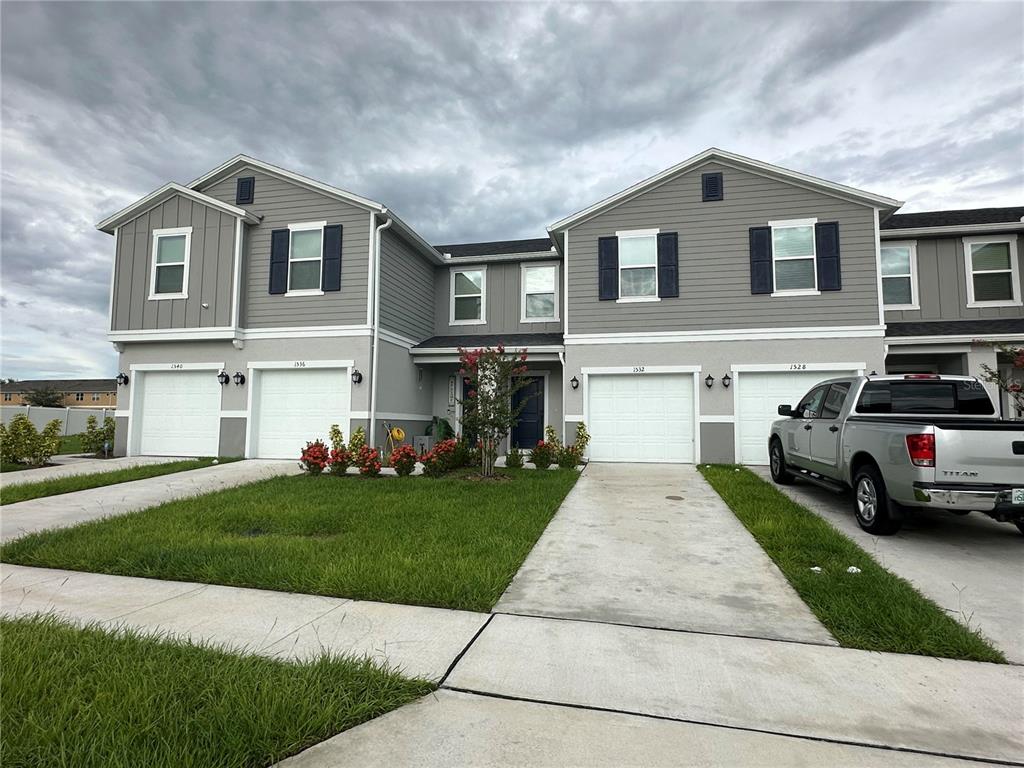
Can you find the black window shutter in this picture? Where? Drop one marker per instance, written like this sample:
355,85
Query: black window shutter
279,261
245,190
712,187
332,258
607,268
826,244
668,265
761,260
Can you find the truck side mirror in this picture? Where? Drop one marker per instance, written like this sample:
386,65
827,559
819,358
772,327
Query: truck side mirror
785,410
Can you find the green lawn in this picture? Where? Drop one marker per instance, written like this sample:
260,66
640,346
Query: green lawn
874,609
84,697
10,466
14,493
452,542
71,444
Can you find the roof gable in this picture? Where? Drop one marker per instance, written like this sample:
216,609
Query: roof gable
740,162
166,192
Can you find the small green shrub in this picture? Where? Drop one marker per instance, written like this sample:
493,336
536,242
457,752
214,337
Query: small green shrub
21,443
357,441
514,458
94,437
543,454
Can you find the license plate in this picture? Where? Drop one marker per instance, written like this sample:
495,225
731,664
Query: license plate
1017,496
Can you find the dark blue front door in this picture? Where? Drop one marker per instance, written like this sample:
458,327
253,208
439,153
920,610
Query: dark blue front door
530,427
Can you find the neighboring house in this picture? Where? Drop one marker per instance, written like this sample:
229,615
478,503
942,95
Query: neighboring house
672,317
75,393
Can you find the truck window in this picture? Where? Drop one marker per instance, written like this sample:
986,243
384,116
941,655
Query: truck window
810,406
834,400
963,398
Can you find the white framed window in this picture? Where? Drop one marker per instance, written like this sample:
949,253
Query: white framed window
95,397
79,397
638,265
468,296
305,258
7,397
171,248
993,274
794,258
899,274
539,300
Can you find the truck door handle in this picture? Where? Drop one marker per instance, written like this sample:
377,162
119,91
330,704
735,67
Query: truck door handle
833,428
808,426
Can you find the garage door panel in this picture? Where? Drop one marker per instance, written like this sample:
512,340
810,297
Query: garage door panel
641,417
292,407
179,413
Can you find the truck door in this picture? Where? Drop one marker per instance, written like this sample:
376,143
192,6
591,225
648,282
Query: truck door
808,409
826,429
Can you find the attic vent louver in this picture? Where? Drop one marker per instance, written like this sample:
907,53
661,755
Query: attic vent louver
712,187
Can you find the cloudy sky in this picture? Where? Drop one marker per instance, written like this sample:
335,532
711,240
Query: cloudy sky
472,121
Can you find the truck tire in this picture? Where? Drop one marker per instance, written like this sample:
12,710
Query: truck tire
777,463
871,505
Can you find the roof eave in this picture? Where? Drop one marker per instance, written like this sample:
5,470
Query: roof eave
170,189
953,229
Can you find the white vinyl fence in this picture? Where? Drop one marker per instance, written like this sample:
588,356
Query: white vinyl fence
72,419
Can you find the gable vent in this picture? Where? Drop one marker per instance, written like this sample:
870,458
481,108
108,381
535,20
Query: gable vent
245,190
712,187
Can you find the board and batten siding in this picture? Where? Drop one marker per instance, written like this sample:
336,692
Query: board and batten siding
942,283
714,258
503,309
406,288
211,262
281,202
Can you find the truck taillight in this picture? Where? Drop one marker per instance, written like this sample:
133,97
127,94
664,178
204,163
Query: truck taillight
922,450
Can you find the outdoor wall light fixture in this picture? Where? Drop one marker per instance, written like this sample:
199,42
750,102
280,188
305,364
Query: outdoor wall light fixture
357,377
239,378
223,378
709,381
574,382
726,380
122,379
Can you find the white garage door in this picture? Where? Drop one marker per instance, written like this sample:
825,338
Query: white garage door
179,413
642,417
292,407
759,395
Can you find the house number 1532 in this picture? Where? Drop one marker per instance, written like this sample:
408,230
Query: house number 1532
638,369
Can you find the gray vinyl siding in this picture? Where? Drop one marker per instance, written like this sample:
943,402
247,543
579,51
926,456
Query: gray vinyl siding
503,310
210,268
406,289
714,258
942,284
281,203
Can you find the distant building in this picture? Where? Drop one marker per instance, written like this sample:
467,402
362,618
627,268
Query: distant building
75,393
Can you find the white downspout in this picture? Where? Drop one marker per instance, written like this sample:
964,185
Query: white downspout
376,329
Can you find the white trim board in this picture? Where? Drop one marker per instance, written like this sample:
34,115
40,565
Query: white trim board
963,337
717,419
958,229
261,365
788,367
639,370
208,366
737,334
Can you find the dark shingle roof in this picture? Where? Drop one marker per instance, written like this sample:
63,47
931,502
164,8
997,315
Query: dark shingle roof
476,341
954,218
496,248
956,327
61,385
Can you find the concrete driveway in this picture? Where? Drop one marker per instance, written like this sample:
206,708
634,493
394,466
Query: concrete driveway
653,545
973,567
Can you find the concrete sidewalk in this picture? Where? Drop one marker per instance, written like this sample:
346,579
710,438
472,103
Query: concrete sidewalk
954,708
80,506
971,566
653,545
421,642
77,466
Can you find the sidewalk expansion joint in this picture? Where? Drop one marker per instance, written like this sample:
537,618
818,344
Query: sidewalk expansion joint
463,652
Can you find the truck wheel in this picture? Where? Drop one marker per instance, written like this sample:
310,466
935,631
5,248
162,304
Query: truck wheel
875,513
777,462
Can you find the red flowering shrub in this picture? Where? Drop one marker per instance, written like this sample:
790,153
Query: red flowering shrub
314,457
543,455
403,459
368,461
439,459
339,461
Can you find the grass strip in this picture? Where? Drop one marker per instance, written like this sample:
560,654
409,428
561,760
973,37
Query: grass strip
71,444
451,542
58,485
874,610
87,697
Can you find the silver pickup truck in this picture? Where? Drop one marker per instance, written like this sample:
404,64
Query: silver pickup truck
916,440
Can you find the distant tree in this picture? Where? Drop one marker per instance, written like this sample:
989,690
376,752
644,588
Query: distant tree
1007,383
44,398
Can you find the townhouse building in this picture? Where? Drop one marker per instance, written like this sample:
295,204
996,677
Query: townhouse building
254,307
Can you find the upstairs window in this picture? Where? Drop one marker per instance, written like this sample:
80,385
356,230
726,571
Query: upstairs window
169,279
899,275
305,258
95,397
467,300
540,293
793,256
993,279
7,397
79,397
638,265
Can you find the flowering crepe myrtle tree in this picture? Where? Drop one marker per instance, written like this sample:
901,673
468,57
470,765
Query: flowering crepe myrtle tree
493,377
1010,385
